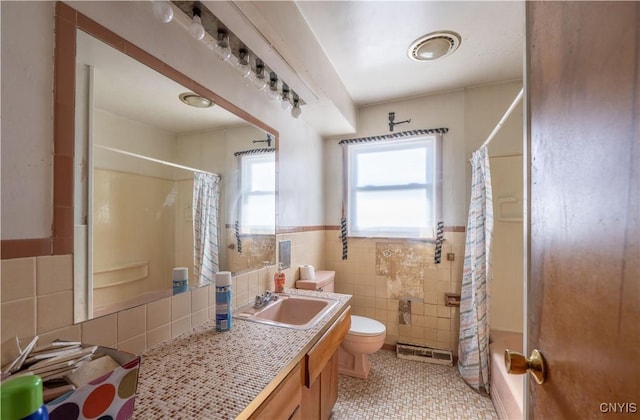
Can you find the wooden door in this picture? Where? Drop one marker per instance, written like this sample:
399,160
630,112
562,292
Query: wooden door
583,157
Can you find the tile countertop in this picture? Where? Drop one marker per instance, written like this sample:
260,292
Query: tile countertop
222,375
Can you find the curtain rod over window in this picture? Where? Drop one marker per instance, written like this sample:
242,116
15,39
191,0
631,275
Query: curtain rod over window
398,135
254,151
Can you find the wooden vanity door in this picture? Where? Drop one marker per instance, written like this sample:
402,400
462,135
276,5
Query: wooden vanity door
320,371
329,387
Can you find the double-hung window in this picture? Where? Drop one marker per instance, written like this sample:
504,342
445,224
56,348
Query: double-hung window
393,188
257,185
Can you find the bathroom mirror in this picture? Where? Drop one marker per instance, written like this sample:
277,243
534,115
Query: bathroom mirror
146,153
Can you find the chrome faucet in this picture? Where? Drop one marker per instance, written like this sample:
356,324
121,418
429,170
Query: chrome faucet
262,300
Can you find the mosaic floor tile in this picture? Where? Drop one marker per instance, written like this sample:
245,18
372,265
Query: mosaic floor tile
406,389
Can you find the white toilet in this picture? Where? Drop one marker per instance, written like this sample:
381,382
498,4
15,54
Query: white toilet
365,336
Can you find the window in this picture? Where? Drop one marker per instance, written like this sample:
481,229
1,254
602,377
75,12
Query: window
393,188
257,182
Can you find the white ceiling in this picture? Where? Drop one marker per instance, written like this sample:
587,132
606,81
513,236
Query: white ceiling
367,42
349,53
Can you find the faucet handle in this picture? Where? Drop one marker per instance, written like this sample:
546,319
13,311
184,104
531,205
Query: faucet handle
258,300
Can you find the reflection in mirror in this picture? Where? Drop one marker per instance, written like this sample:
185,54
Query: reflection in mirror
162,185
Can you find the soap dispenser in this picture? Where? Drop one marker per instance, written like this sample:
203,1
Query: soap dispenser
279,280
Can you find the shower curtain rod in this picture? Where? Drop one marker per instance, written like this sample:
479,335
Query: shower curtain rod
504,118
163,162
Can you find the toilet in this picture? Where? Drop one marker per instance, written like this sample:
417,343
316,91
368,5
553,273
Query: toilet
365,336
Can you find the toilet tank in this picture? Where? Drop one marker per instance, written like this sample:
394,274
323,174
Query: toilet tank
322,282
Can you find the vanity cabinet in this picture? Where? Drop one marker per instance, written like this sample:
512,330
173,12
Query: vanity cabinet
284,401
310,390
319,373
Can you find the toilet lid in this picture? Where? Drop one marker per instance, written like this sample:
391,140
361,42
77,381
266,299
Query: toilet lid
363,326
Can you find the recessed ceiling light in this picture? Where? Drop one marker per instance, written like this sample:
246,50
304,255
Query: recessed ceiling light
195,100
433,46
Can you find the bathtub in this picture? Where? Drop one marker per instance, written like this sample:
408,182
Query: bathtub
506,390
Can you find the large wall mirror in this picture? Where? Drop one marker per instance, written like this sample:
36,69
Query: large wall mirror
160,184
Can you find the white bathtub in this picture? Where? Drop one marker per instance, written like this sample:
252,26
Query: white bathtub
506,390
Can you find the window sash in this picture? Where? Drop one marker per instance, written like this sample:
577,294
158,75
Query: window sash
251,222
431,199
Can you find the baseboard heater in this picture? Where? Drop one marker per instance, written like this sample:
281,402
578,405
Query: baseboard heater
424,354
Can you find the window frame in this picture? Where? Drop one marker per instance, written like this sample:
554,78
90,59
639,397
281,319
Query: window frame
432,144
245,163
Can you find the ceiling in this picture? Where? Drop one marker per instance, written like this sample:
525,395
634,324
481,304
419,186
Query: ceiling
350,54
367,42
347,54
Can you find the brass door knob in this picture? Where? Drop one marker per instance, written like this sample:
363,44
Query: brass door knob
518,364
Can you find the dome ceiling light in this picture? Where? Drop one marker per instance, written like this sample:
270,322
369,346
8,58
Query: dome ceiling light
434,46
195,100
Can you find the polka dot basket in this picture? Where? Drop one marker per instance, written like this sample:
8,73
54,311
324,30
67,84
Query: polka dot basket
109,397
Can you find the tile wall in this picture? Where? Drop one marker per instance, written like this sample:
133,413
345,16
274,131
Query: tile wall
376,295
37,299
306,248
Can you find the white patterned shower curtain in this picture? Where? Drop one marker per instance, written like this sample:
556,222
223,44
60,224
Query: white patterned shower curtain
206,190
473,348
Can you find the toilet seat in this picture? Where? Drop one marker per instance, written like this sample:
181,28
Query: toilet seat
366,327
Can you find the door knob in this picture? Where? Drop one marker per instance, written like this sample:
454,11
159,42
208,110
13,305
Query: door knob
518,364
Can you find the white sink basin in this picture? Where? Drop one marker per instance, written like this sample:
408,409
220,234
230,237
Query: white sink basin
289,311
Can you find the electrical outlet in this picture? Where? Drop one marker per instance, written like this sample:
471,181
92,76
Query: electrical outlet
451,256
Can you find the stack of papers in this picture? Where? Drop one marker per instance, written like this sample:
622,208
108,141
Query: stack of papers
62,365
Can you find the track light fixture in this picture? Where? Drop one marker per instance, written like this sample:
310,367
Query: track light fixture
221,47
296,111
243,62
273,86
260,81
196,29
286,101
220,40
163,11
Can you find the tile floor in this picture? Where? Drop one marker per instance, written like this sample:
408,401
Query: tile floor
405,389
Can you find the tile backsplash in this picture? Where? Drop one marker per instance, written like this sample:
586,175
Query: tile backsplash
37,299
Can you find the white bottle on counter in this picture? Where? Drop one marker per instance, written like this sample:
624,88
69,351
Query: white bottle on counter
223,301
180,280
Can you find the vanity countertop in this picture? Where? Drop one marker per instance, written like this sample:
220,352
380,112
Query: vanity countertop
220,375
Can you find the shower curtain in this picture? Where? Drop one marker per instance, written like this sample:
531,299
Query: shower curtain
205,227
473,348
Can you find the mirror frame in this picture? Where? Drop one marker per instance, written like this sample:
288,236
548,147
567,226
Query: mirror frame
67,22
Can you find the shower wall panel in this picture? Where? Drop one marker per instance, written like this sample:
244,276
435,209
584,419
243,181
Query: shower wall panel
134,218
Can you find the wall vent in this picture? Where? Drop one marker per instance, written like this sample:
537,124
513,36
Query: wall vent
424,354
